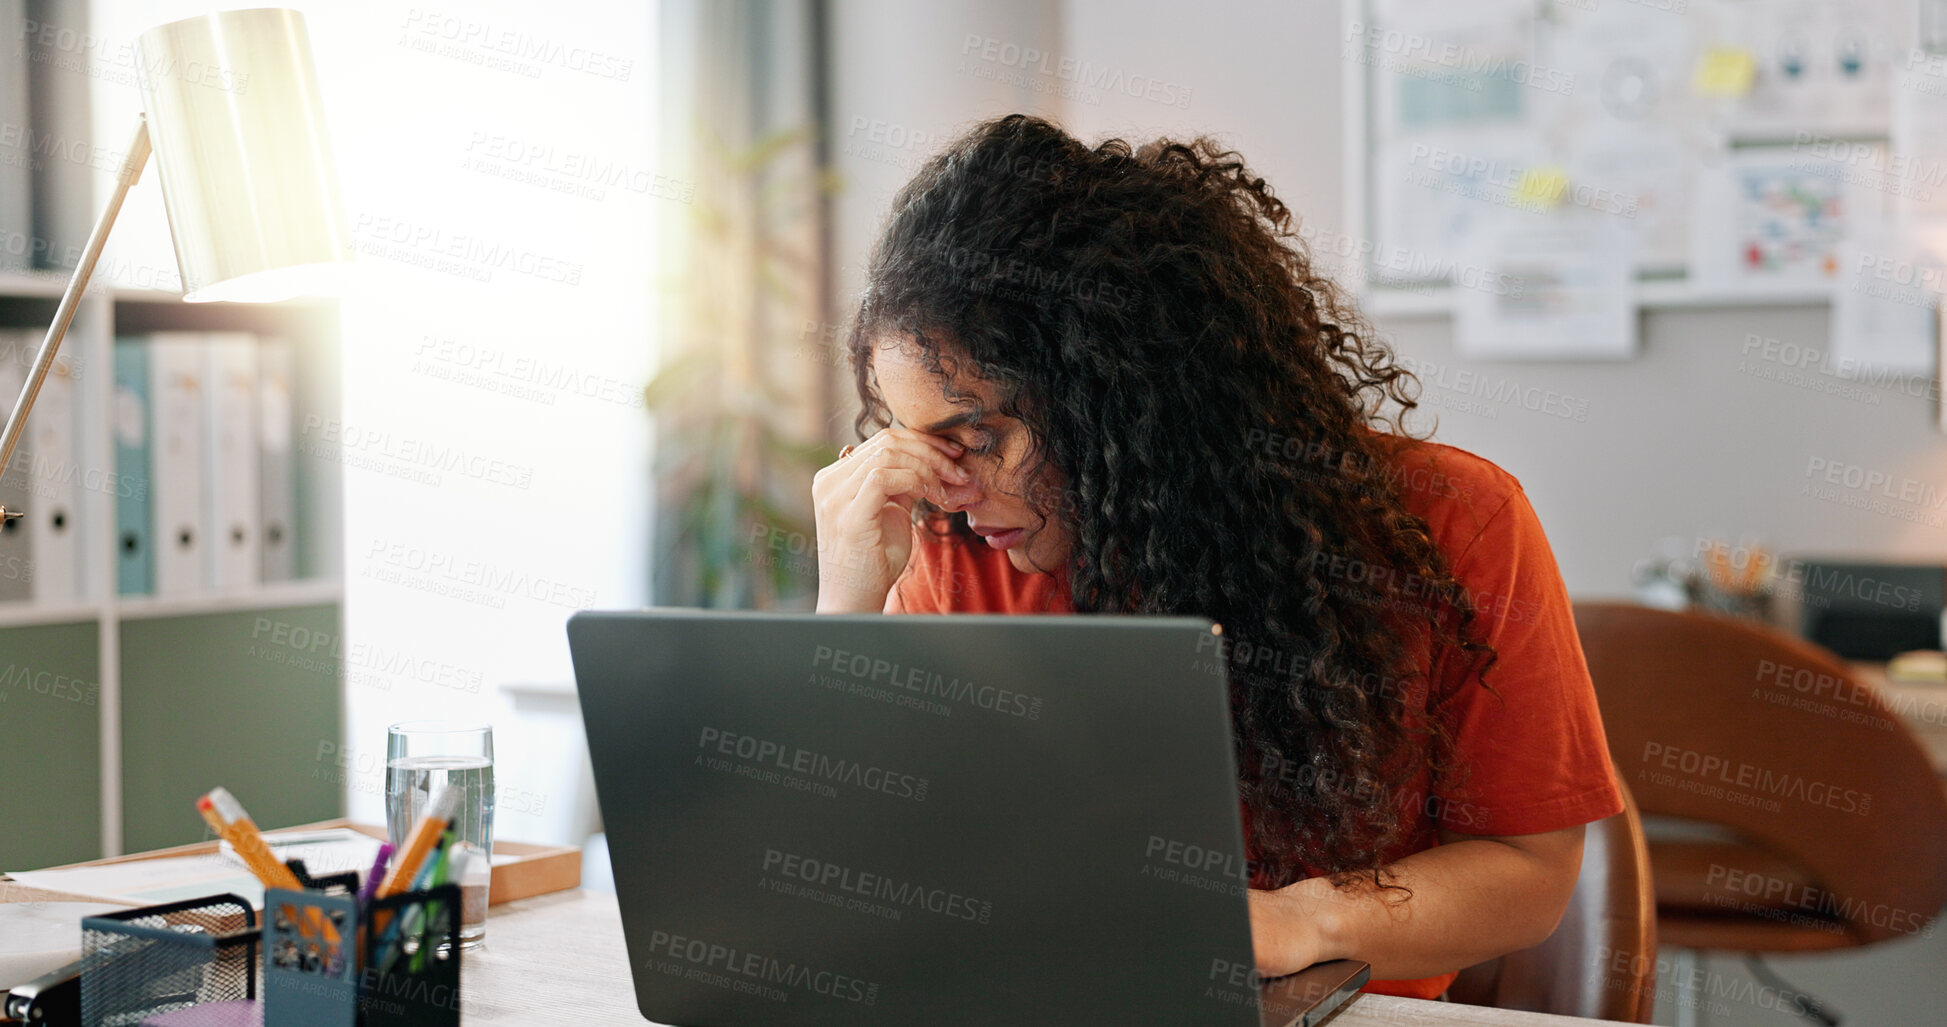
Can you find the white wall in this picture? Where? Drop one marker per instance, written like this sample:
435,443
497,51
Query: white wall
1261,78
531,367
905,79
495,452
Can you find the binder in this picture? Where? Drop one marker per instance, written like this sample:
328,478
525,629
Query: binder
277,476
50,454
16,549
231,503
16,150
134,535
42,554
176,453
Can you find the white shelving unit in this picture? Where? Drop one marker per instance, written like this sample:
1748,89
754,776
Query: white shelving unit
47,285
27,300
265,597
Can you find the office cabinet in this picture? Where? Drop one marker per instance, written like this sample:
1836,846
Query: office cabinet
245,699
50,751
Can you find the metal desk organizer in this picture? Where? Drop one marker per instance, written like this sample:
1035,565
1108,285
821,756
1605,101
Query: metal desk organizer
345,978
153,960
322,964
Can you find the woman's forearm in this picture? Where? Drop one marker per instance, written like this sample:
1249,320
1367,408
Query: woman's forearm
1472,899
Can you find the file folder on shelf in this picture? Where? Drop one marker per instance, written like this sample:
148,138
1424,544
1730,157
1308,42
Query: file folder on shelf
51,460
176,390
16,544
44,479
129,421
16,147
277,470
231,502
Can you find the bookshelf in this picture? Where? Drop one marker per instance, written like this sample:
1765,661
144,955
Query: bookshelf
117,710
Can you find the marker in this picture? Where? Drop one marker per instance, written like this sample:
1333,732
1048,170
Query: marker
375,875
434,877
431,874
425,835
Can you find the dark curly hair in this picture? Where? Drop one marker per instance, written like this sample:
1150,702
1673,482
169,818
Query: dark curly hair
1154,321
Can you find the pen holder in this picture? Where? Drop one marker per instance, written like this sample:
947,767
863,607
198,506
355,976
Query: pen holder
344,882
396,966
142,962
420,987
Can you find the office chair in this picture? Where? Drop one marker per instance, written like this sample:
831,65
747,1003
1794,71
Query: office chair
1601,960
1814,819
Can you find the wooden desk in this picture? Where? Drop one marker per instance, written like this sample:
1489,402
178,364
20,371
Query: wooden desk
560,959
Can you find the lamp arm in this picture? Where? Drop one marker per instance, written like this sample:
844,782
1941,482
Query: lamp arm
131,170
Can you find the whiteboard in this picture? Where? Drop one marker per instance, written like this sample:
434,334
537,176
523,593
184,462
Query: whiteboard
1493,118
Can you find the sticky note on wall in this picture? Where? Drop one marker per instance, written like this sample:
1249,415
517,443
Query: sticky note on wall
1725,71
1542,187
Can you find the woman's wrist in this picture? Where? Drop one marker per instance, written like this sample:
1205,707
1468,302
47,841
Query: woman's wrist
1300,924
848,604
1331,916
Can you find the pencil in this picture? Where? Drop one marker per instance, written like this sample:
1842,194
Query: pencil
225,815
425,835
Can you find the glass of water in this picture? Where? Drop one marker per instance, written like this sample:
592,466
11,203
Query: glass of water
423,756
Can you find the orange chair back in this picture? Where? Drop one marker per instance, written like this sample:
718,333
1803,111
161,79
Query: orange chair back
1722,721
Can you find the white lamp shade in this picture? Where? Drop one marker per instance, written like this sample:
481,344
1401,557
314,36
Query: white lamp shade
240,144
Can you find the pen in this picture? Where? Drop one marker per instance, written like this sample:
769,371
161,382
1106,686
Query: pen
376,874
412,921
425,834
429,875
435,878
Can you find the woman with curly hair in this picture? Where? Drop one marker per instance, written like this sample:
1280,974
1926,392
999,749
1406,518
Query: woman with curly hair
1105,380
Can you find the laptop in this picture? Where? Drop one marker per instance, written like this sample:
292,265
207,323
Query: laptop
939,820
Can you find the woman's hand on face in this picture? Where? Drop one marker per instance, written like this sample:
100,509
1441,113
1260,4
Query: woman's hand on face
864,506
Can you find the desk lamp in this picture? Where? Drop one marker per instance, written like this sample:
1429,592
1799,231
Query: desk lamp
233,119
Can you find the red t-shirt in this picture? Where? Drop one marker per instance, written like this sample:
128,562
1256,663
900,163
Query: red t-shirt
1529,759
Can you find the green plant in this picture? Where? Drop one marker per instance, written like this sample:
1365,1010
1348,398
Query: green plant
740,424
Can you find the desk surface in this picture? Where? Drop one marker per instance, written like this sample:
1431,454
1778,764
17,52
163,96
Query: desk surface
560,959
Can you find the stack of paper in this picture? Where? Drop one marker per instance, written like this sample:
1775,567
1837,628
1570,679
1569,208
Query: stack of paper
170,878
